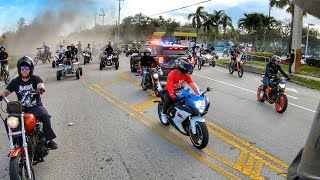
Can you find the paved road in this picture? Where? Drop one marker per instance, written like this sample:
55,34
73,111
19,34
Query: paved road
117,134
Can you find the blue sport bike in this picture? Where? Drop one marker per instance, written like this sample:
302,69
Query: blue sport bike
186,115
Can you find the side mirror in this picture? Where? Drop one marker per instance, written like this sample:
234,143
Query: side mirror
209,89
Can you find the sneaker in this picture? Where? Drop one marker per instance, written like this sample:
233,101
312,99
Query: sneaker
52,145
164,118
261,94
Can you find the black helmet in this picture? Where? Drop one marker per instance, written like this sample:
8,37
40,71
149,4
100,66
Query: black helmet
275,58
184,66
25,61
2,47
147,50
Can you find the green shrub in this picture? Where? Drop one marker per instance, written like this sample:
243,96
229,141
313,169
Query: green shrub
313,62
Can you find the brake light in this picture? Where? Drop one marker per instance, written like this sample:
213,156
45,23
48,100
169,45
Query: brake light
160,60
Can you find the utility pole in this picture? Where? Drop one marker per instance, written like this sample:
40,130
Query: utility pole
102,14
119,22
306,51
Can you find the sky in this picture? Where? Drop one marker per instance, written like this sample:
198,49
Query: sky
12,10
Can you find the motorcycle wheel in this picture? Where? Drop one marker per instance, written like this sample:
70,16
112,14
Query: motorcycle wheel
84,61
78,74
258,94
230,69
160,106
18,169
213,63
201,138
58,75
116,65
35,60
199,64
240,72
6,77
282,105
53,64
80,69
101,66
191,71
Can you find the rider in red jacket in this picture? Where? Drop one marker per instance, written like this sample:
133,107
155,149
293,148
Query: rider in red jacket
175,80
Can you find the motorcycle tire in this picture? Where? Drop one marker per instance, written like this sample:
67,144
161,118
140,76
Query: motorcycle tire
80,69
199,65
116,65
230,69
213,63
35,60
191,71
78,74
17,168
261,99
53,64
101,66
59,75
160,106
283,104
6,77
240,72
201,131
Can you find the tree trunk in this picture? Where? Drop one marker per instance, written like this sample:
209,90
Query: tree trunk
197,31
291,31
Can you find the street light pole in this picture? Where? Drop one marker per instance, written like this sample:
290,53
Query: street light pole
102,14
306,51
118,34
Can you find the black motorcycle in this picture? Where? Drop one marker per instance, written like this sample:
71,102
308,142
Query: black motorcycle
152,79
109,59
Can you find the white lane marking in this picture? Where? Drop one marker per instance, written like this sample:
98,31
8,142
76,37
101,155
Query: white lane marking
251,91
292,97
292,90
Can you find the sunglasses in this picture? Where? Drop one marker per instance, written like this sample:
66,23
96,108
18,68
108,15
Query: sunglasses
24,68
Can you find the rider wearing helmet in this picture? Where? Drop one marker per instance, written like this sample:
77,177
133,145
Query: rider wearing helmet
175,80
109,49
74,51
272,68
4,58
234,54
146,61
24,85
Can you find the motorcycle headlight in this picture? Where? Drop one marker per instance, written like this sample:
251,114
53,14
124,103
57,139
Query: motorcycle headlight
282,86
155,75
13,122
201,105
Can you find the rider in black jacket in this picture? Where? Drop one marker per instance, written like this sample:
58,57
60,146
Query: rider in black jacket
272,68
109,49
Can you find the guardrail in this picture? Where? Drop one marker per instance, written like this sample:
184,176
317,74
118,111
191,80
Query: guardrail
265,58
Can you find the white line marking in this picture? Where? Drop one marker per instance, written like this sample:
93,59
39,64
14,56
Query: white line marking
251,91
292,90
292,97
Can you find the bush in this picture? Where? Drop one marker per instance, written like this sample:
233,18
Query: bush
264,54
313,62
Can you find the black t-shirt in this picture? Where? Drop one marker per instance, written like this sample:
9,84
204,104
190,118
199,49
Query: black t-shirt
23,89
147,61
292,56
3,56
68,54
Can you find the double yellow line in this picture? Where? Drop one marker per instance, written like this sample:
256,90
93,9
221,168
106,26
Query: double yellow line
140,116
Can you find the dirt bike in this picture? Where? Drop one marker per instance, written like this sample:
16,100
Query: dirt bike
41,55
236,67
275,93
5,74
28,145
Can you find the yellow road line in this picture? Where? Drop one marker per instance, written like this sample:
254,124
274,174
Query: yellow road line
242,141
172,140
145,104
109,82
241,160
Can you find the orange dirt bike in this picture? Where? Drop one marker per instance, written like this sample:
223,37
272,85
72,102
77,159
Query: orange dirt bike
275,93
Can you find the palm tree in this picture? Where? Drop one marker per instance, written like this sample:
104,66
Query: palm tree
226,21
251,22
266,22
198,18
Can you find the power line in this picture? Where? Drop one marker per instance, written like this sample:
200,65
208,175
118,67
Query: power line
181,8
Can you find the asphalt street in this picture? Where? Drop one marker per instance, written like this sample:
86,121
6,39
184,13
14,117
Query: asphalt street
116,132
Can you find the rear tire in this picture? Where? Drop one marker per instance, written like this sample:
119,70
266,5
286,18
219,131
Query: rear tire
201,139
230,69
116,66
101,66
58,75
199,64
80,69
53,64
78,74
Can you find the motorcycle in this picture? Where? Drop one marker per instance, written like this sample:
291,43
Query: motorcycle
236,67
28,145
186,115
111,59
152,79
72,66
207,57
86,56
275,93
41,55
59,60
226,52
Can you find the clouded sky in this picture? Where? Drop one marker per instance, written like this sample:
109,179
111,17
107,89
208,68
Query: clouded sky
12,10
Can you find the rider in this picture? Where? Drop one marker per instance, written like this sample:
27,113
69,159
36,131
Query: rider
4,57
272,68
25,84
74,51
47,50
146,61
68,55
234,54
88,49
109,49
61,50
175,80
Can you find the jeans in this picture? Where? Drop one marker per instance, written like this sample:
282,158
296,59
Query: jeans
232,63
42,114
290,66
167,102
144,74
266,81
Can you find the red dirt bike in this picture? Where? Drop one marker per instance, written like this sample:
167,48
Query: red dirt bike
236,67
27,142
275,93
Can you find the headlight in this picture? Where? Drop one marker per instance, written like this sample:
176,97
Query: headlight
282,86
155,75
201,105
13,122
